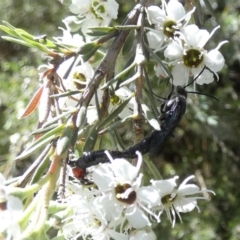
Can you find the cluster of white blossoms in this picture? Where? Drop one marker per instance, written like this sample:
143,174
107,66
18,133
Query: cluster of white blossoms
91,13
119,207
183,44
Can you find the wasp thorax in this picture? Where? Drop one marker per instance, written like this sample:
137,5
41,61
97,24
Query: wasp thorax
169,28
168,199
125,193
192,58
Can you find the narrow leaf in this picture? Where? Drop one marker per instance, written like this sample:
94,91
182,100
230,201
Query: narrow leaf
116,124
91,139
18,41
9,31
88,55
209,7
115,113
100,31
53,120
154,55
65,94
46,138
33,103
8,25
44,129
65,140
35,44
88,47
131,79
120,75
21,32
45,102
126,27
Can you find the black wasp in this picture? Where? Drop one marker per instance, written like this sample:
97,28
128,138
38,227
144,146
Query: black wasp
172,111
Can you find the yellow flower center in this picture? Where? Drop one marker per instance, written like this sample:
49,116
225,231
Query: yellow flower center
114,99
124,197
169,28
81,77
193,58
168,199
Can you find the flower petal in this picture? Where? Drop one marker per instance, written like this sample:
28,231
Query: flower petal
124,170
214,60
137,218
154,13
205,78
155,38
149,196
173,51
165,186
180,75
102,177
175,10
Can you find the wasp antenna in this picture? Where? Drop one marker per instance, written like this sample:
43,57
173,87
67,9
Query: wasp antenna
199,93
196,76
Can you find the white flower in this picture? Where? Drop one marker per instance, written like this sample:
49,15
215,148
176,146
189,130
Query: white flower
168,21
174,201
89,218
10,210
72,41
77,80
188,58
122,196
94,12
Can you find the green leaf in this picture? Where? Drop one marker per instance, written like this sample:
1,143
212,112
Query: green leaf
46,138
120,75
100,31
88,47
129,45
45,129
115,113
209,7
8,25
41,169
9,31
91,139
65,94
81,116
116,124
88,55
150,94
65,140
22,37
18,41
126,27
26,35
35,44
129,80
154,55
53,120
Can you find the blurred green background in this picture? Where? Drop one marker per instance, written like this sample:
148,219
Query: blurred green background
205,144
